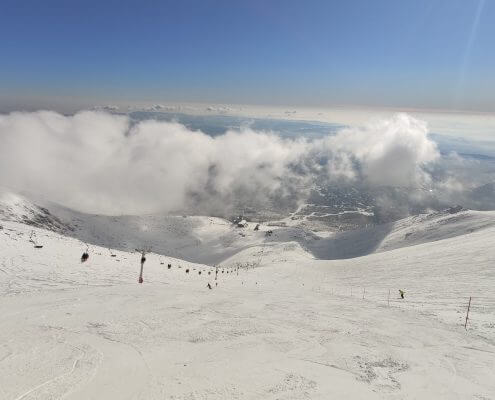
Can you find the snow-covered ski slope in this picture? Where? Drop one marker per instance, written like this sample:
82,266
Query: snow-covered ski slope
286,326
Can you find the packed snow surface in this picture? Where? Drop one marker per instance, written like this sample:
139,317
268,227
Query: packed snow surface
294,316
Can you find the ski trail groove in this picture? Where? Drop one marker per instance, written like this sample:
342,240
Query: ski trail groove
22,396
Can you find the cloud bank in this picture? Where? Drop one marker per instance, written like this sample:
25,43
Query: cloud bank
97,162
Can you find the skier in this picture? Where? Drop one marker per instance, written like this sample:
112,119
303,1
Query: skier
208,286
401,292
84,257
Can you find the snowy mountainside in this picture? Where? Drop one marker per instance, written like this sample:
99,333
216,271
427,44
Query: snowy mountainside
211,240
407,232
426,228
289,328
57,265
17,208
195,238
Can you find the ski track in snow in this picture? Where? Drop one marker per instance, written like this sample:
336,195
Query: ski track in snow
285,327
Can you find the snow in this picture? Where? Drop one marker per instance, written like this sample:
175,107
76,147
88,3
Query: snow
285,326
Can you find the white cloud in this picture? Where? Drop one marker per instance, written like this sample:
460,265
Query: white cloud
390,151
99,162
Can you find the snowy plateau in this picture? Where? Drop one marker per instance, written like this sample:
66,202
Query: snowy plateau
292,314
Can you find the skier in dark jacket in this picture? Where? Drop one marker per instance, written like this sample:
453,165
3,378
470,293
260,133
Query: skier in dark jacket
84,257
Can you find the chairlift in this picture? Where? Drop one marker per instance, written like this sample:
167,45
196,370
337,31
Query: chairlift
85,254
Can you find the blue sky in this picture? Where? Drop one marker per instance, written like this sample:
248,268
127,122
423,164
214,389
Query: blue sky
407,53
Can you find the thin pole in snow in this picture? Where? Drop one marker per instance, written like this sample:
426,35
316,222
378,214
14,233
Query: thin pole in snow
388,299
467,314
143,260
364,291
351,291
141,274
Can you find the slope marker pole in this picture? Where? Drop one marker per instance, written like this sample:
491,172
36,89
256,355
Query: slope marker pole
467,313
364,291
388,299
140,280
